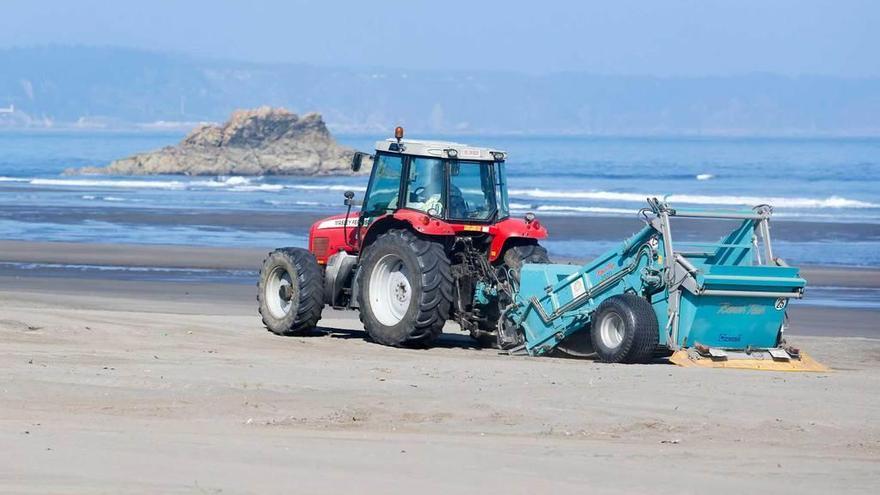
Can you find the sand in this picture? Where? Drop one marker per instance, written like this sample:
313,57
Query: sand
145,386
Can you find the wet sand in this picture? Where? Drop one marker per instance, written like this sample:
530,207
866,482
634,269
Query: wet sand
148,386
593,228
238,291
250,258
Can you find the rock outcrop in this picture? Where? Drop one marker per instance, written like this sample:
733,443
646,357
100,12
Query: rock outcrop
264,141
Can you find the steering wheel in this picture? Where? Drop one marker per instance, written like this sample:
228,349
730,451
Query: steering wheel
419,193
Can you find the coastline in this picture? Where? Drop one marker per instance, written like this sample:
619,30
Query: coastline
561,227
242,258
150,273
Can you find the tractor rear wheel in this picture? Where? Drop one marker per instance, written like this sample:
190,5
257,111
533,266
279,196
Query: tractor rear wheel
513,260
624,330
516,256
290,291
405,289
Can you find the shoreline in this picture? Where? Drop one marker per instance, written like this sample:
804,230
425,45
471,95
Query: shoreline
244,258
297,222
156,273
843,245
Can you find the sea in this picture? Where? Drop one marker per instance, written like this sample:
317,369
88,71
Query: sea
830,186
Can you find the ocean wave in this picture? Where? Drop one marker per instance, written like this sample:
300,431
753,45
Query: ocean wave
123,183
229,183
705,176
782,202
91,197
122,268
334,187
258,188
224,181
281,202
584,209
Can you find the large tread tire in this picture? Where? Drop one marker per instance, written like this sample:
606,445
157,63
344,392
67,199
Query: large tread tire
300,271
512,260
515,257
639,329
430,281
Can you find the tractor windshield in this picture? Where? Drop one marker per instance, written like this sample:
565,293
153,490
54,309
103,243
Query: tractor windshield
471,190
474,188
450,189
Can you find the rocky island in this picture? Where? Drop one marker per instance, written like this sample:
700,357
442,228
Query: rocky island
263,141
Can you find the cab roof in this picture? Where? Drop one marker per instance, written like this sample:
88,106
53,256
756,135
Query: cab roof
440,149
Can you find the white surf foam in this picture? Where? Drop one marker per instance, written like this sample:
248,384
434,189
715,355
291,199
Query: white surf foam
231,183
223,181
258,187
705,176
584,209
782,202
335,187
122,183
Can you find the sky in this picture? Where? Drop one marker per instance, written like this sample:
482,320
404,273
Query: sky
647,37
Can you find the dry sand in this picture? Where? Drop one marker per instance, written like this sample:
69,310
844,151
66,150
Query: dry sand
111,386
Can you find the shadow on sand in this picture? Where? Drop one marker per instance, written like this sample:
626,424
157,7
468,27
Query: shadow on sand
455,341
445,341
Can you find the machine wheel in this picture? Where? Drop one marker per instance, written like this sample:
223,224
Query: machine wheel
405,290
291,290
513,260
624,330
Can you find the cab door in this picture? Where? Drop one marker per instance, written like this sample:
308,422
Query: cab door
384,190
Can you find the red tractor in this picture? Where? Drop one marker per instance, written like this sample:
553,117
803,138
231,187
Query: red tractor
433,241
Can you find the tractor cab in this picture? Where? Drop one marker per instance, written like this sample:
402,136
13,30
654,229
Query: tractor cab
446,181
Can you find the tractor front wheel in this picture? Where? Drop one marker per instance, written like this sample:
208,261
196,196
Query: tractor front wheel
290,291
405,289
624,330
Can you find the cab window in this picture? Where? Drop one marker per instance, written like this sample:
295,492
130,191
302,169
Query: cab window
425,185
385,185
471,191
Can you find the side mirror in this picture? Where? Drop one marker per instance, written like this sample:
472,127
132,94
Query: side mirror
350,201
357,160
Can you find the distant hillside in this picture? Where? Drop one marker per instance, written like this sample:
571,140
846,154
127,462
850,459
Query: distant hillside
111,87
